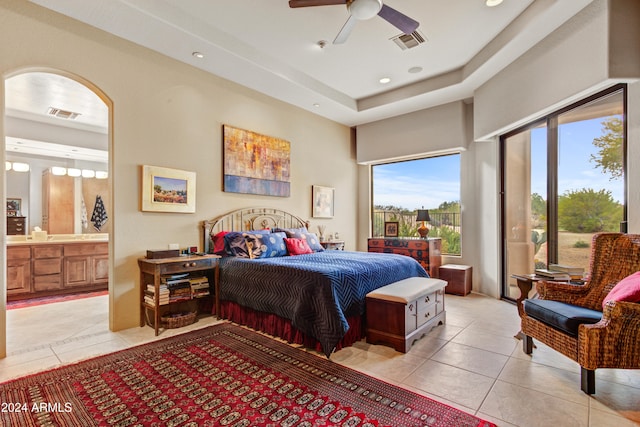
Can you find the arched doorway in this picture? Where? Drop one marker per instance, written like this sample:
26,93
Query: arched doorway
58,124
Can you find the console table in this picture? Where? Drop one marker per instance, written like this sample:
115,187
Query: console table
426,251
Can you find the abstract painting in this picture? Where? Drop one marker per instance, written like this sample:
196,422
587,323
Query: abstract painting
255,163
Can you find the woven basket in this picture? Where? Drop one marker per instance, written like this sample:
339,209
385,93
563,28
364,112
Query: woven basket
178,320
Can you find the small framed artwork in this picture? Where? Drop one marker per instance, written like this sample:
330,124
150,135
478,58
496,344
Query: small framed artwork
14,206
391,228
322,201
168,190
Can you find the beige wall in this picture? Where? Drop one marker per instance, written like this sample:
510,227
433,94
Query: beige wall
169,114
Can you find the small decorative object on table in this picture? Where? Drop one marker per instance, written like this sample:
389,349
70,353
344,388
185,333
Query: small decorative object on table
321,229
423,215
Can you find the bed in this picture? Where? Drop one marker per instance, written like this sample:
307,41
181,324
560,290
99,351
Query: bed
316,298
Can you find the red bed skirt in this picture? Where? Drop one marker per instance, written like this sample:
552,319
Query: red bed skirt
277,326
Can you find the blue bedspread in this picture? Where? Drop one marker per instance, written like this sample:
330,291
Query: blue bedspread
316,292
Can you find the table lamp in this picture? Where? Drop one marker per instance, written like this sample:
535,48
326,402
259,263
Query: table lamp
423,215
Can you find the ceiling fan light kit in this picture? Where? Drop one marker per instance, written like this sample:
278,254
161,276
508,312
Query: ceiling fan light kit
362,10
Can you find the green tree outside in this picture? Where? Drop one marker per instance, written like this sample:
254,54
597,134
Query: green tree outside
588,211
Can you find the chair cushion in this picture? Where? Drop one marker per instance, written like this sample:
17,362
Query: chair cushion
561,316
628,289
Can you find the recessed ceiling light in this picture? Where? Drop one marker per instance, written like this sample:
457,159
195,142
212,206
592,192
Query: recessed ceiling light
198,55
385,80
316,105
414,70
492,3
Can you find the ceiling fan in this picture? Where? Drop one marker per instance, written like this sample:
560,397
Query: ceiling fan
361,10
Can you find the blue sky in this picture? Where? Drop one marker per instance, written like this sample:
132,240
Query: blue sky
576,171
417,183
429,182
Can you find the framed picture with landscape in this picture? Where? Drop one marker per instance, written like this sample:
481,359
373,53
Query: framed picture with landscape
168,190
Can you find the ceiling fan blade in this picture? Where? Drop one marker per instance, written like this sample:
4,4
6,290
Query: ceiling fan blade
307,3
343,35
398,20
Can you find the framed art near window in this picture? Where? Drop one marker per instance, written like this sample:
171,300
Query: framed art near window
391,228
322,201
168,190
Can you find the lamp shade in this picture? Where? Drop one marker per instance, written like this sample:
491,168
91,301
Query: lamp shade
423,215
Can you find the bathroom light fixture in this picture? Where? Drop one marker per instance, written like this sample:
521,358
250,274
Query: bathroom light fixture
58,170
7,166
74,172
21,167
88,173
102,175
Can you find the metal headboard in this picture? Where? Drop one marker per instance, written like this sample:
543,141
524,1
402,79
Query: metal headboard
248,219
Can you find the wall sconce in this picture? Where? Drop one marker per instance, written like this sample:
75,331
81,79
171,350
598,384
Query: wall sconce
16,166
423,215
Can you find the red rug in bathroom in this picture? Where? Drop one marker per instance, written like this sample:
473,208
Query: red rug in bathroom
12,305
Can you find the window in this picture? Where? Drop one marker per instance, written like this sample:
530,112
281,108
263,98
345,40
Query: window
563,180
433,183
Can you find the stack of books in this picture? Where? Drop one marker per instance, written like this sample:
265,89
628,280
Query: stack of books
150,294
179,287
552,274
199,287
575,273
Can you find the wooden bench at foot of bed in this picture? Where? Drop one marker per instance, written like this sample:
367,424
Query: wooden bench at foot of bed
402,312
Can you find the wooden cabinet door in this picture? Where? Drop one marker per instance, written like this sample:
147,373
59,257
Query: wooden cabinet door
100,269
77,271
18,276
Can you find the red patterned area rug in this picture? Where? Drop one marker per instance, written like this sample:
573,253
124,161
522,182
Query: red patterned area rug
221,375
32,302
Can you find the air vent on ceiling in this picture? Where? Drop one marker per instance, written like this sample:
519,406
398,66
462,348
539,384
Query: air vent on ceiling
62,114
409,41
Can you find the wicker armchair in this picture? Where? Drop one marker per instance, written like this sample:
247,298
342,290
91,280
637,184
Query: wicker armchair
596,338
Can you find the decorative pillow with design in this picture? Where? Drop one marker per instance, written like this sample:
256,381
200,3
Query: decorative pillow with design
297,246
266,245
628,289
303,233
236,245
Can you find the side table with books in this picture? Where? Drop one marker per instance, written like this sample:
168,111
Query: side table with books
176,283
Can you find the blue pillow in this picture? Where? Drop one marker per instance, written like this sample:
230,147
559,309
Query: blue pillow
303,233
267,245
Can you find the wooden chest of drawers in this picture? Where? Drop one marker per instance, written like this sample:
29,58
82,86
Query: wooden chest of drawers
16,225
425,251
400,313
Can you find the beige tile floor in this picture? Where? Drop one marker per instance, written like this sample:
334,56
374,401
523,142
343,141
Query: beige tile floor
472,363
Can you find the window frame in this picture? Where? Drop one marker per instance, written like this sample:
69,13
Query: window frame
551,122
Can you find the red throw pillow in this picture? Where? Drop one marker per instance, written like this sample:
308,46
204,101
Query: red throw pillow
218,242
297,246
628,289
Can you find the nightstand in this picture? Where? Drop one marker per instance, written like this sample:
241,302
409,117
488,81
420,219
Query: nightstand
333,245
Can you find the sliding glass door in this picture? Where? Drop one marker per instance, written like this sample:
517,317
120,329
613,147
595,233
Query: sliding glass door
563,180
